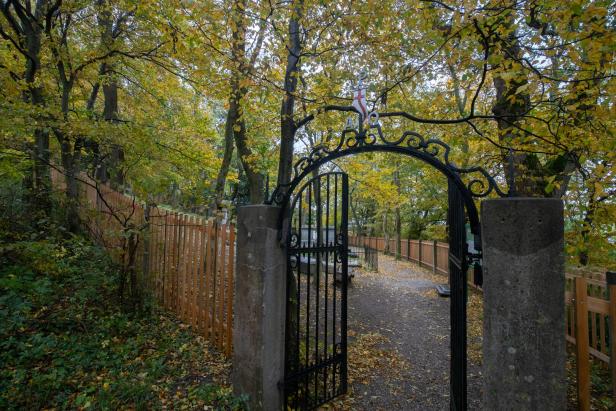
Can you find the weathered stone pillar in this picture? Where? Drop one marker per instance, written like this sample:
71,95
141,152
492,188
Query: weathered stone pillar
259,305
524,311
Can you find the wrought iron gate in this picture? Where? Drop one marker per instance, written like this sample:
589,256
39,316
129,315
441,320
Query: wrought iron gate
458,265
317,271
316,218
316,327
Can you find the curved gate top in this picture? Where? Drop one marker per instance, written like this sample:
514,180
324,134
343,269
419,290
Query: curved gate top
317,247
367,135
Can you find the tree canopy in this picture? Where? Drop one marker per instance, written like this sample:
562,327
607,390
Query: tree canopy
202,105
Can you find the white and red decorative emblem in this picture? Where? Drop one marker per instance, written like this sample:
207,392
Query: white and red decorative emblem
359,103
359,97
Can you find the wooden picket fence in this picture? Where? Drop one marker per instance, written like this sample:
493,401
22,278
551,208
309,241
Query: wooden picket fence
190,266
430,254
184,261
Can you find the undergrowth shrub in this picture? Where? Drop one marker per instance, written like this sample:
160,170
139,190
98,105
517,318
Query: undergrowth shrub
66,344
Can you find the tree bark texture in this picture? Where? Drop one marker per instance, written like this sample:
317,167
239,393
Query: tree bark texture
287,109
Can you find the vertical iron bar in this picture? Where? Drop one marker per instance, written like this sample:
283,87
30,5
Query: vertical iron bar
288,337
334,333
457,270
298,257
345,268
327,255
309,258
318,280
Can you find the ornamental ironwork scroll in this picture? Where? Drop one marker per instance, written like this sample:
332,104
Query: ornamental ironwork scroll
357,138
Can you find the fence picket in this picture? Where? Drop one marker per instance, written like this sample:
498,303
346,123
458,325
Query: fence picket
602,334
152,250
593,321
186,280
581,337
202,256
221,283
179,265
165,262
208,278
195,268
189,268
183,283
230,279
161,255
179,283
214,283
173,261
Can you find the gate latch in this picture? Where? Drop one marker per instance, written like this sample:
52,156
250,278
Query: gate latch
474,257
474,260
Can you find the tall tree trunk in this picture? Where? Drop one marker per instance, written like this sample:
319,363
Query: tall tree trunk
583,252
31,29
589,220
256,180
70,155
461,96
113,168
115,172
235,100
526,175
386,248
234,128
97,170
287,109
221,178
510,106
70,163
287,136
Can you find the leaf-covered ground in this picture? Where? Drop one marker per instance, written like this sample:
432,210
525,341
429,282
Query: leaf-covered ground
66,344
399,341
399,337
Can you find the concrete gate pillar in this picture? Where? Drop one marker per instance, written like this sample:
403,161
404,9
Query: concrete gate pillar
524,349
259,305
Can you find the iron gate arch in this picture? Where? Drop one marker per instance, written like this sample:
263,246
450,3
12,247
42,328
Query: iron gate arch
311,256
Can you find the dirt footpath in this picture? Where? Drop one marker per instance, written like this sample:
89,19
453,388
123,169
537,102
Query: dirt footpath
399,341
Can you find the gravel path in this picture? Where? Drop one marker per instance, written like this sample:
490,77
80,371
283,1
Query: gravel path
399,341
